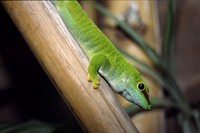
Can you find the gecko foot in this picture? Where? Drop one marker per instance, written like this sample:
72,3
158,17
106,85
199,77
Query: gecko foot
95,80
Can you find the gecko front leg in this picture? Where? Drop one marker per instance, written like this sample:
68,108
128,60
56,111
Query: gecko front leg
98,61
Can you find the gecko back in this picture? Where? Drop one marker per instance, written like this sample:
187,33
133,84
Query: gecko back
83,29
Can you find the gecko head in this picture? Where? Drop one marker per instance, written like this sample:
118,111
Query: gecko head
137,92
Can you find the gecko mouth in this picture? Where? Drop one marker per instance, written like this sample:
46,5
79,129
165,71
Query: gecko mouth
128,97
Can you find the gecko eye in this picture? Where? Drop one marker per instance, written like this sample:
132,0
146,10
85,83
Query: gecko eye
141,86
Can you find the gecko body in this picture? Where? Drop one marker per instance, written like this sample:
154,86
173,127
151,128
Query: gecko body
104,58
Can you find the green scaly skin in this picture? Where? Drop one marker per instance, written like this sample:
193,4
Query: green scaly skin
104,57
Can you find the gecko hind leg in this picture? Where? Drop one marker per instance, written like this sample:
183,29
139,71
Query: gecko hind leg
98,61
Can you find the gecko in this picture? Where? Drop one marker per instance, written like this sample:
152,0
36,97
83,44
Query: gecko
105,59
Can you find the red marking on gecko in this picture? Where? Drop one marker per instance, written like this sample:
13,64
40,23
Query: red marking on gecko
89,23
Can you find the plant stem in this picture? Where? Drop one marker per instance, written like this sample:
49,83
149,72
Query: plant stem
167,39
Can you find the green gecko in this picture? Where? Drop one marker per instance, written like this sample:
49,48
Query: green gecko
104,58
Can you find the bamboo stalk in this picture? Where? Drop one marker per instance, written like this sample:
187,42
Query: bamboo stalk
66,65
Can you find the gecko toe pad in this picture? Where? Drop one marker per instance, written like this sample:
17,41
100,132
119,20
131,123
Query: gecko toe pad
95,80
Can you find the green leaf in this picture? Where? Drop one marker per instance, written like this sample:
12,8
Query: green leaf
28,127
167,48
